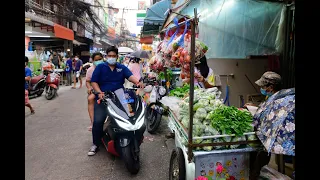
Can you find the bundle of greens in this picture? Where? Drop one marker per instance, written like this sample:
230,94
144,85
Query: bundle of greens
231,120
180,92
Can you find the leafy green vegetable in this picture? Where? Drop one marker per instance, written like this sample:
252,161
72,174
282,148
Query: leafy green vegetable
197,106
210,131
201,114
231,120
180,92
161,76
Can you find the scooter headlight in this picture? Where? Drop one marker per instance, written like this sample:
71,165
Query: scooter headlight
147,89
162,91
52,78
125,124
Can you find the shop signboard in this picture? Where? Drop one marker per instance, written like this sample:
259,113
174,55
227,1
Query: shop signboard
140,18
142,5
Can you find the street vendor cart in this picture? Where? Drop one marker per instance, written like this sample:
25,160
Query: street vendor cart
235,163
188,161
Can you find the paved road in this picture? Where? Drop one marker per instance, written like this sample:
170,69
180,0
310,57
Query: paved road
57,142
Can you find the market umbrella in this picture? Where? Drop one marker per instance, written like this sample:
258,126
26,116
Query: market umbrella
140,54
275,123
125,50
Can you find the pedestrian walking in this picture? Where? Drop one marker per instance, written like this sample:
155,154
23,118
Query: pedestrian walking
27,79
69,70
77,74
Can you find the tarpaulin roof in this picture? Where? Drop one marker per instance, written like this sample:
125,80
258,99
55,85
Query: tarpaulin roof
179,6
235,28
156,13
155,17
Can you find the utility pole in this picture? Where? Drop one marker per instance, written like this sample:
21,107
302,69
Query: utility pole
121,27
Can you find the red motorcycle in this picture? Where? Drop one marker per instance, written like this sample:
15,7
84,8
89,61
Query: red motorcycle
52,84
37,85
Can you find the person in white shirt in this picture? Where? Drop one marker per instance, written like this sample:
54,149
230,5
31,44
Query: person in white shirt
204,76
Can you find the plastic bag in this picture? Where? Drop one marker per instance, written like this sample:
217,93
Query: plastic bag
171,102
210,131
271,174
156,63
201,114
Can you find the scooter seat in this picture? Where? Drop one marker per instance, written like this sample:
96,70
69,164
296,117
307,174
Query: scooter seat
36,79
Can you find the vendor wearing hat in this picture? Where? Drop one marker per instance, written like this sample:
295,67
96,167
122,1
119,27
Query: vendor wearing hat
270,86
269,83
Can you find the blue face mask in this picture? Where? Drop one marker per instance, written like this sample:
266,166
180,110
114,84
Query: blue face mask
96,63
265,93
112,61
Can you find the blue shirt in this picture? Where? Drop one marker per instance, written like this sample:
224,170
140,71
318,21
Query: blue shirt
27,73
69,65
78,65
109,80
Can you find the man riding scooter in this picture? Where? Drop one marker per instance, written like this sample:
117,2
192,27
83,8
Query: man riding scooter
108,76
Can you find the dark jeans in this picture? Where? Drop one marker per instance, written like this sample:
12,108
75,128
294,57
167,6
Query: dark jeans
100,115
69,78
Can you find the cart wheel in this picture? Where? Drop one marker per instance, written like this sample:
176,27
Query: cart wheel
177,170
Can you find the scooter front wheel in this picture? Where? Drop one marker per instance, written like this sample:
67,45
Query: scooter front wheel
50,94
131,160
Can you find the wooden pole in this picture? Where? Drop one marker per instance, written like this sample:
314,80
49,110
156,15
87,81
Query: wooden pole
193,24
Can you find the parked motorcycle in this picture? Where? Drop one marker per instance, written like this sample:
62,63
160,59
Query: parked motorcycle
37,85
154,110
124,133
52,84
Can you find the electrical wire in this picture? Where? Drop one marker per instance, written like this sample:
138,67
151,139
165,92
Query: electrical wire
71,16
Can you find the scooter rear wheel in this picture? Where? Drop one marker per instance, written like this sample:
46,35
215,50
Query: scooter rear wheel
132,161
153,119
